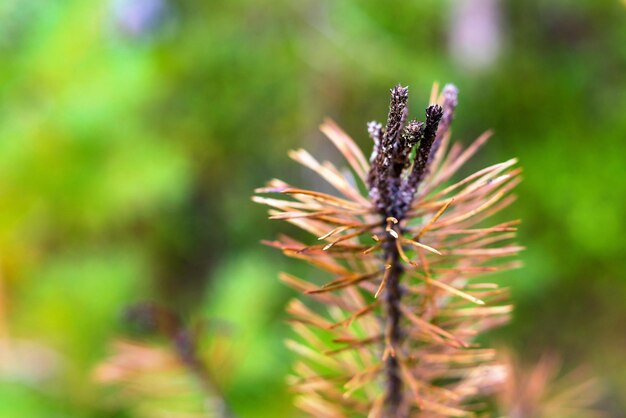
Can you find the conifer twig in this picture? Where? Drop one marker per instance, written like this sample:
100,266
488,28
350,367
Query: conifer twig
405,303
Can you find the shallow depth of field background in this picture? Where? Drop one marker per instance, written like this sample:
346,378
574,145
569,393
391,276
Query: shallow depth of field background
132,133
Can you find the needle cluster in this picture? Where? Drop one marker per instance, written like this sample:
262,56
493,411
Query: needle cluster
390,323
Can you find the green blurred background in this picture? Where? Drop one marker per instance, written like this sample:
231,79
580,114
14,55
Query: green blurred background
132,133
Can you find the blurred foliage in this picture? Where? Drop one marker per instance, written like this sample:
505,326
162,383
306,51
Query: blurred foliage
133,131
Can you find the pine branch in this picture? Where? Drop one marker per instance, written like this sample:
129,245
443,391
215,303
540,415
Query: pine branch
163,380
396,333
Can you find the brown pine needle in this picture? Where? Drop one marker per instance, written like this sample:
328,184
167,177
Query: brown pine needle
348,321
343,282
466,155
346,146
328,173
384,281
372,248
415,387
377,408
422,246
295,214
443,410
434,219
453,290
390,350
431,328
345,237
333,232
495,198
484,175
353,343
482,311
323,197
403,255
357,380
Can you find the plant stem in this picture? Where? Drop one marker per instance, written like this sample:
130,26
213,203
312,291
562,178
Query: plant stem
394,396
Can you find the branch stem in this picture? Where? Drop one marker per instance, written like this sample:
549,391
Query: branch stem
394,396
